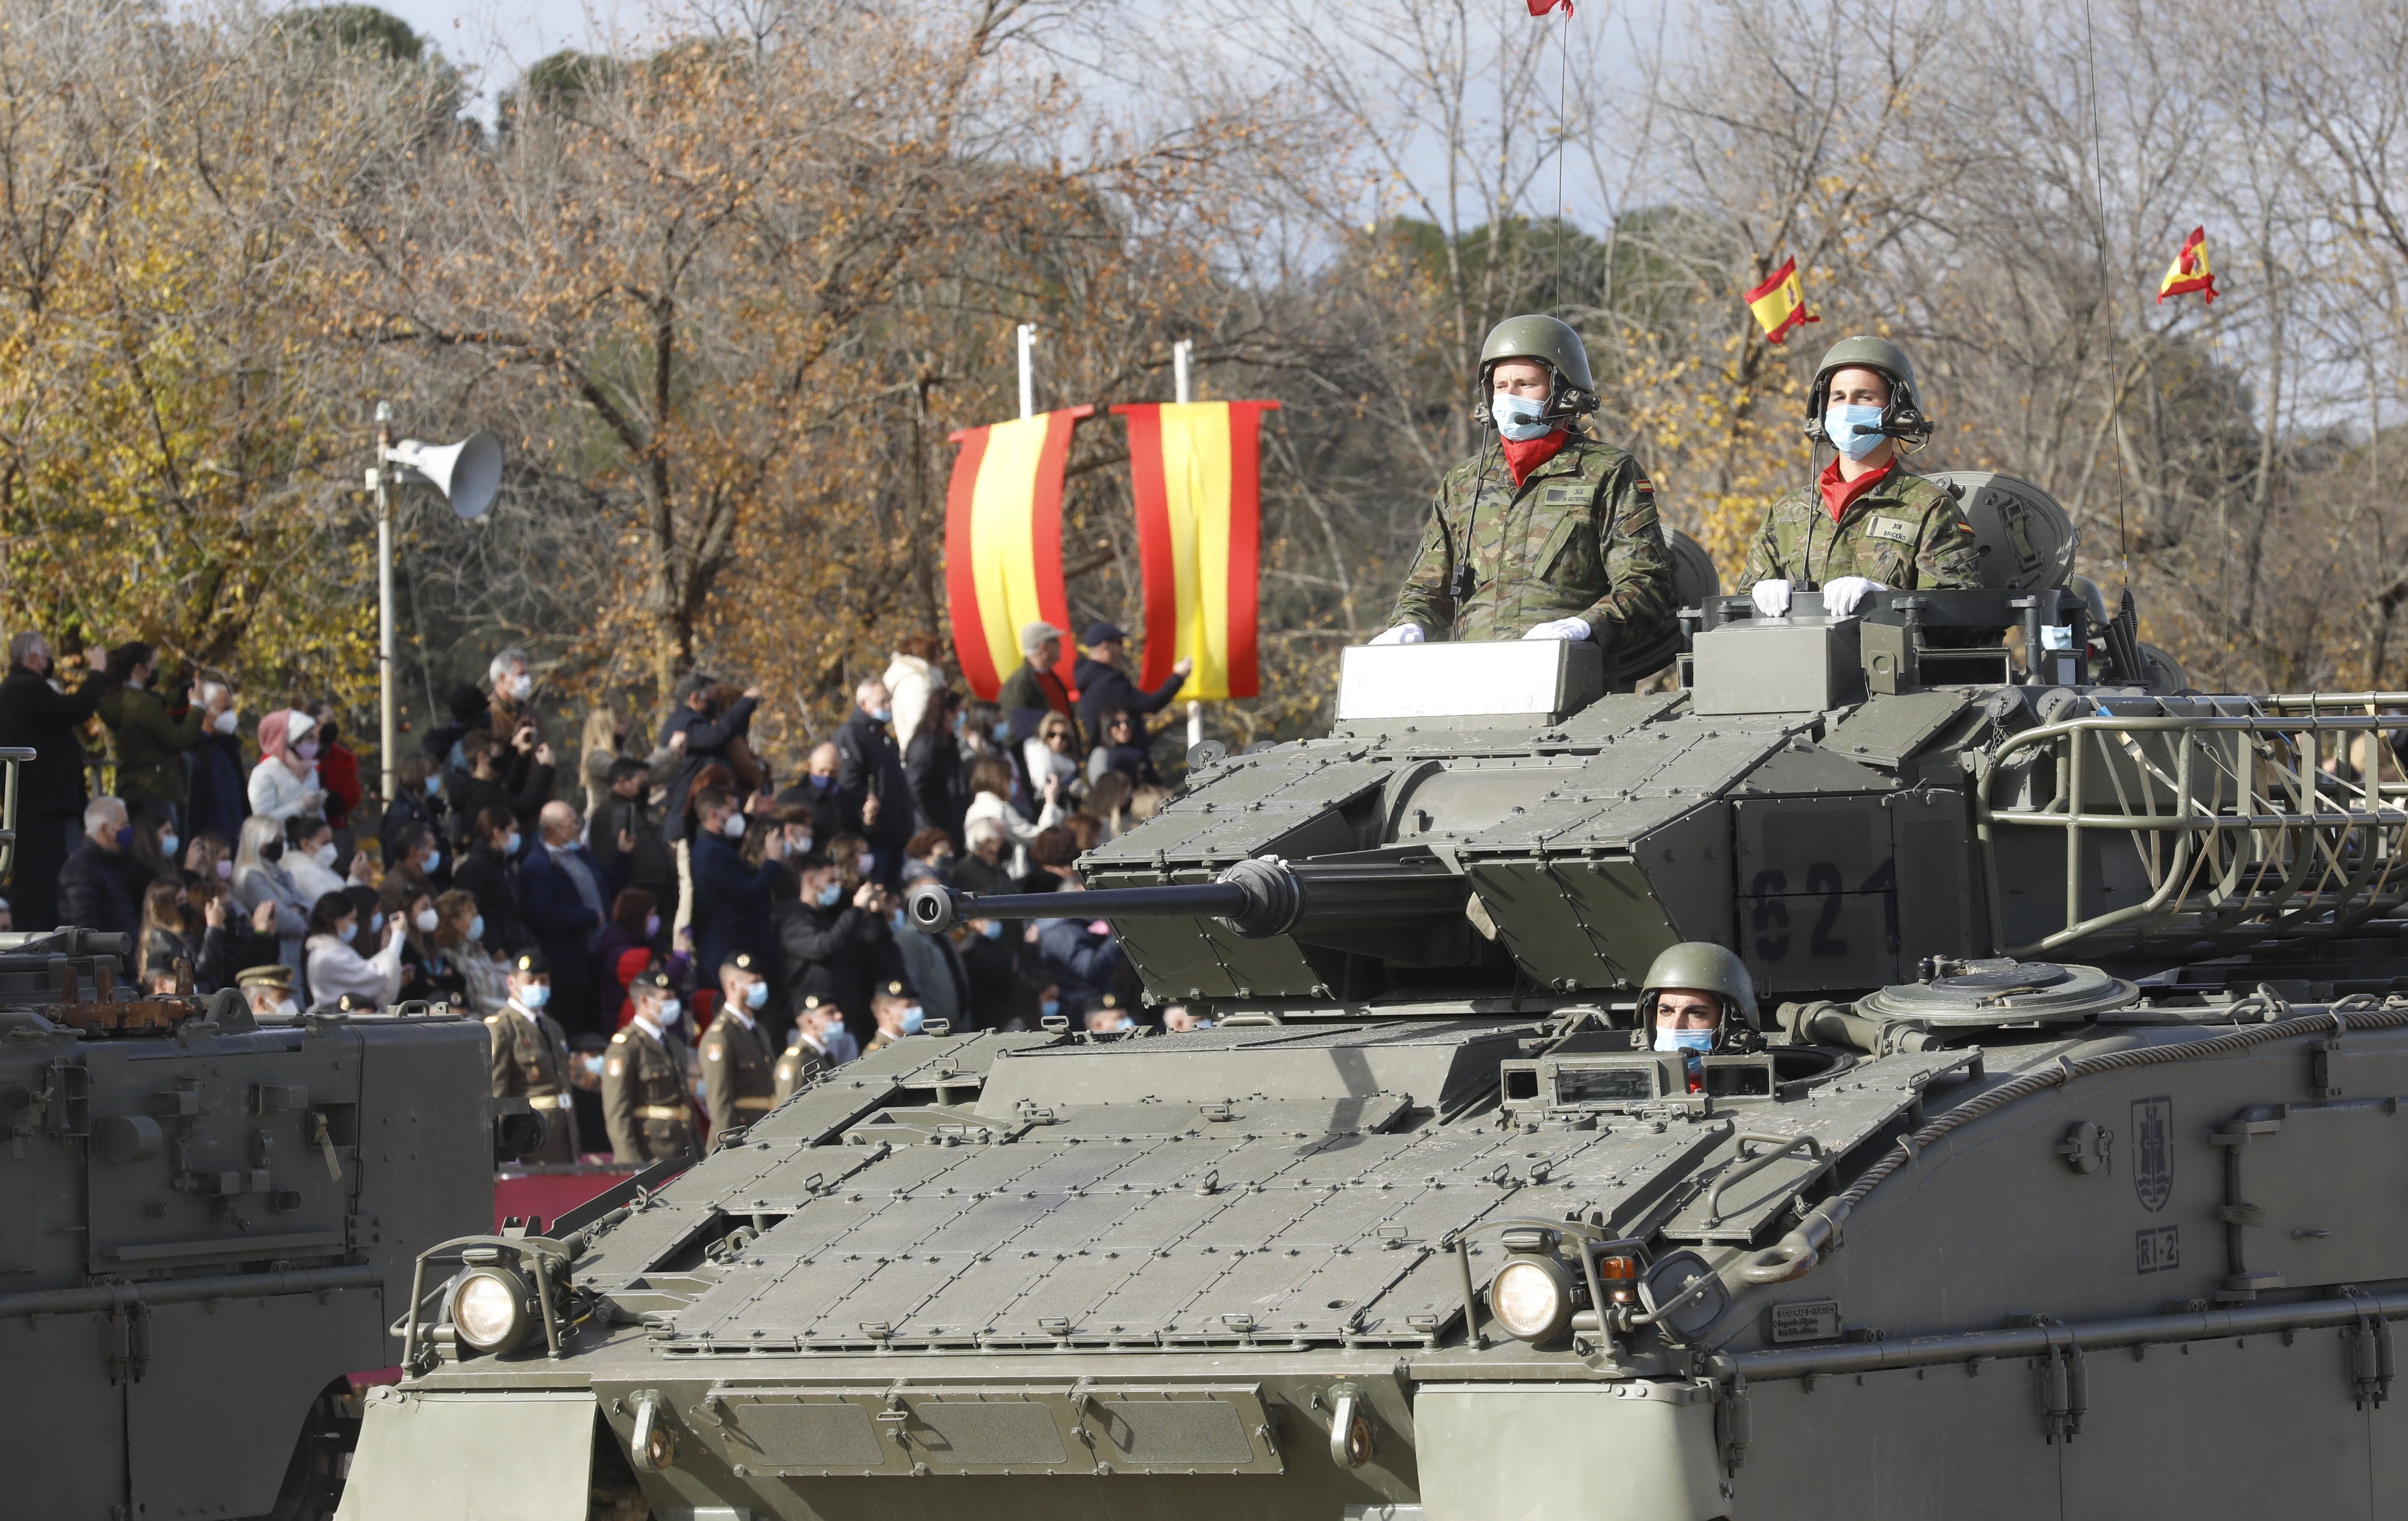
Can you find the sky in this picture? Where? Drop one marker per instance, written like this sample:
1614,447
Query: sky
495,40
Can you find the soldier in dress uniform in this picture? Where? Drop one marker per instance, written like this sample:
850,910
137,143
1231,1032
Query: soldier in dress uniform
811,1050
899,1014
737,1082
531,1056
643,1079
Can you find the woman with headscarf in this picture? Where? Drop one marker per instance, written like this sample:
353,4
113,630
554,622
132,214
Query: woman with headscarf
259,878
285,780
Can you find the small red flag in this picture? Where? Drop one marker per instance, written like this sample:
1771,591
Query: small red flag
1539,8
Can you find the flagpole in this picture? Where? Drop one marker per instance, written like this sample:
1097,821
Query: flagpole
1180,354
1028,336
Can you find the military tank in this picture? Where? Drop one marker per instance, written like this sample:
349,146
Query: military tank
2057,1175
205,1221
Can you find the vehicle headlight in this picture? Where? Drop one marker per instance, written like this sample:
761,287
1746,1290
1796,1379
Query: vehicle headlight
1532,1297
490,1309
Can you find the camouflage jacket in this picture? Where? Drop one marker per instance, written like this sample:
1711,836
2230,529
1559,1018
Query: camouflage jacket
1578,539
1904,532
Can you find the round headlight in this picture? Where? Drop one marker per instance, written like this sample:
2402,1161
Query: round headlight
1531,1297
489,1310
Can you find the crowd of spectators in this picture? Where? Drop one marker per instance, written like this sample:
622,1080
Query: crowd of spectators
671,850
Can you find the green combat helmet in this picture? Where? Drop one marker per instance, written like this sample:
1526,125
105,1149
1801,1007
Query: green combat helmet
1554,344
1702,967
1903,419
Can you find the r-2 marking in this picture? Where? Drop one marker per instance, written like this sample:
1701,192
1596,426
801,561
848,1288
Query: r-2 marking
2156,1248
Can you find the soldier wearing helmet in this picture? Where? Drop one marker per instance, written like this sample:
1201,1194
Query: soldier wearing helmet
1698,996
1868,524
1547,534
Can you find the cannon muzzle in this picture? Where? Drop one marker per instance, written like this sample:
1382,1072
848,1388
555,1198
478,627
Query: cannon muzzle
1256,898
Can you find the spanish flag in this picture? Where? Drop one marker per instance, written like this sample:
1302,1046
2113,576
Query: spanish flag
1779,302
1003,540
2189,271
1196,470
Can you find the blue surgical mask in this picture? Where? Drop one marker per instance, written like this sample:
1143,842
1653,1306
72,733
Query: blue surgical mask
1049,1007
510,845
756,996
1517,417
822,780
350,932
1842,421
476,927
991,929
1002,731
669,1008
831,893
882,715
434,784
434,859
126,837
913,1018
168,843
535,997
1684,1039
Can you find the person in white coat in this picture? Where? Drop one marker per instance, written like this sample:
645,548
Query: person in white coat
285,780
990,799
337,967
911,678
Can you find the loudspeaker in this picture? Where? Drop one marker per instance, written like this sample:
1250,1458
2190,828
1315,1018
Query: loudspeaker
467,473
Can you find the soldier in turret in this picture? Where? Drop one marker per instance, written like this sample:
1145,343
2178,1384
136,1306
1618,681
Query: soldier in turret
738,1082
1868,524
531,1056
643,1079
1547,533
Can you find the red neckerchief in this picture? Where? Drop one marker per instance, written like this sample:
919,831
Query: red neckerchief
1839,496
1524,455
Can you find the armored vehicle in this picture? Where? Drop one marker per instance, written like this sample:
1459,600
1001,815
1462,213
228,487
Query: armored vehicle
2057,1174
207,1222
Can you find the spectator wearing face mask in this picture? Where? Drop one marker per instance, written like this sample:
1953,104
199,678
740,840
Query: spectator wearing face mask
459,935
51,793
874,789
165,939
566,897
487,873
470,711
815,790
731,900
631,943
932,762
206,858
982,869
929,857
151,852
990,800
415,803
309,857
150,743
933,965
420,866
259,878
216,799
96,889
625,835
339,768
336,966
285,781
833,942
701,734
426,974
485,785
511,676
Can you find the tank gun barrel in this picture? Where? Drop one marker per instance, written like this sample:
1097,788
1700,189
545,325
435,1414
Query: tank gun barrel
1257,898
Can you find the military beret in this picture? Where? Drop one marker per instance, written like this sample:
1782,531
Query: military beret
652,980
895,987
811,1001
278,975
531,962
744,961
1110,1000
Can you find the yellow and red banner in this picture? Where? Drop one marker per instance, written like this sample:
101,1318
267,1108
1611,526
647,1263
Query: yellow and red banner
1003,540
1779,302
1196,470
2189,271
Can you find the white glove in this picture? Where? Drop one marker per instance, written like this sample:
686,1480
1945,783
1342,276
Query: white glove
1771,598
1847,593
1562,628
1401,634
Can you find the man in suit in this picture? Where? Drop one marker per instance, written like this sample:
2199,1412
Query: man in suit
564,897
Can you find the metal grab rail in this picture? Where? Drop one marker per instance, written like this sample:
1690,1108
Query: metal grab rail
2237,827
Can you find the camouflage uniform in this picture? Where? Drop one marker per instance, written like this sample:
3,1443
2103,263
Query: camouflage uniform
1905,533
737,1082
531,1062
644,1097
1578,539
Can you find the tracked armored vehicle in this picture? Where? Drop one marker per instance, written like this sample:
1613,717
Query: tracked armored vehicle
206,1223
2060,1177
